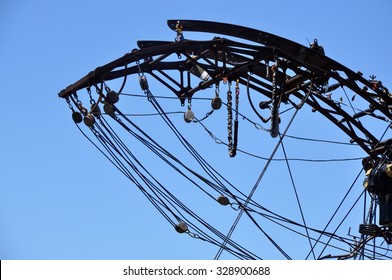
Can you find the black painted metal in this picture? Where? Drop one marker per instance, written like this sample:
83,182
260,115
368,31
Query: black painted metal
280,70
320,65
227,59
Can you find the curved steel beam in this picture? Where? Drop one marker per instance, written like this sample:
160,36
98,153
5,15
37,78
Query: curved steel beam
306,56
96,76
377,96
224,58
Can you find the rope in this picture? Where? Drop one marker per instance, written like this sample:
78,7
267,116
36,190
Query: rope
297,199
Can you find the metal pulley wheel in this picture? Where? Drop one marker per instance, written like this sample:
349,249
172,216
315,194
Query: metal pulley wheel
108,109
112,97
77,117
189,116
143,82
181,227
89,120
216,103
223,200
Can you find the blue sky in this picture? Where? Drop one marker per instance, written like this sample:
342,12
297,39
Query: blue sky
61,199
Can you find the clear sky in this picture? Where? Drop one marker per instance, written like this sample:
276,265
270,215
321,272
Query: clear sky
61,199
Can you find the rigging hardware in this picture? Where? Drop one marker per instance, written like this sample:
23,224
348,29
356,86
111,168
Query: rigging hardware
278,72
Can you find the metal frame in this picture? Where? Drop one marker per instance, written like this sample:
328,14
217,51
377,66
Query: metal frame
280,70
232,60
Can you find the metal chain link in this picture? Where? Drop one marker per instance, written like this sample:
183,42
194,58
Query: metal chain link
69,104
229,119
92,101
237,100
274,131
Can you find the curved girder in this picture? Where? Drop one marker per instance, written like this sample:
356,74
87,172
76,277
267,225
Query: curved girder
232,60
307,56
102,73
377,96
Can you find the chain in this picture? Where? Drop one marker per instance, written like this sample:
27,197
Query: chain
275,98
232,141
229,119
82,109
235,206
193,235
143,82
92,101
237,99
139,72
205,117
78,101
69,104
217,90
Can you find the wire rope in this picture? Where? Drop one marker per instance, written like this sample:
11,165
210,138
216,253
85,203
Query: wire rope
242,210
297,197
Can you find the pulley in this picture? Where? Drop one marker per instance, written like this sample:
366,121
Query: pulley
77,117
181,227
112,97
223,200
108,109
189,116
216,103
143,82
89,120
95,110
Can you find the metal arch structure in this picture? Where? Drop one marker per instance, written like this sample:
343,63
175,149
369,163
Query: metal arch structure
282,71
308,65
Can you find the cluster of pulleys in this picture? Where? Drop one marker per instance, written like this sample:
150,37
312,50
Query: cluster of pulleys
89,116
